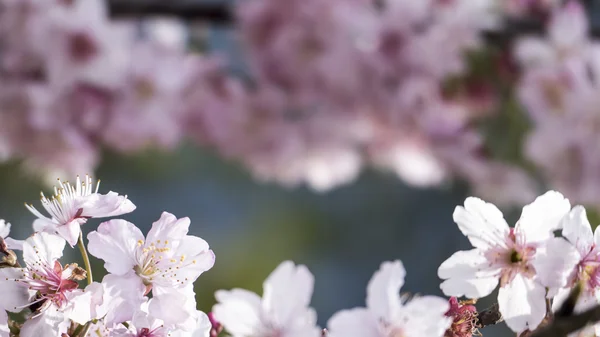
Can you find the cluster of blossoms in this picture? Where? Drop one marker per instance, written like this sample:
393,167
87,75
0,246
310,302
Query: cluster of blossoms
335,86
533,267
559,88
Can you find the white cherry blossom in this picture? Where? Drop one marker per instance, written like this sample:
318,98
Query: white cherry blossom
387,314
72,205
524,260
166,262
283,310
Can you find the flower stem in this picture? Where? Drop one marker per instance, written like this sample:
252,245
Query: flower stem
86,259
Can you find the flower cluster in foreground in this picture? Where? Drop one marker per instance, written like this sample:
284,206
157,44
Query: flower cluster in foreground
148,290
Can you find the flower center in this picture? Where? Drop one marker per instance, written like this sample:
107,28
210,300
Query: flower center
515,257
157,262
51,284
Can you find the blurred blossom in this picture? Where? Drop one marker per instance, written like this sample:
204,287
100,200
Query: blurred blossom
560,92
332,87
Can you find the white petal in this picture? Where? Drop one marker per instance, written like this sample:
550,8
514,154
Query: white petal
481,222
14,244
104,205
383,290
4,229
597,236
287,292
44,225
168,227
123,295
238,310
467,273
358,322
43,248
198,256
554,262
49,324
13,295
70,231
201,329
115,242
88,304
175,307
543,216
577,229
4,331
425,317
522,303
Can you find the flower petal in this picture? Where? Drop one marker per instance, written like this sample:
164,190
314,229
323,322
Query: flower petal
14,244
554,262
122,296
4,330
4,229
70,231
543,216
43,248
383,290
287,292
577,229
98,205
201,329
168,227
522,303
13,295
481,222
176,307
115,242
425,317
358,322
238,310
51,323
468,273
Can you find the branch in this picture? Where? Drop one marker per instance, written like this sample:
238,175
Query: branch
562,326
214,12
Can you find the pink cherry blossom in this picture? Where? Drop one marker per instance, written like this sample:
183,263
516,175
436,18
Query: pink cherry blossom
387,314
72,205
282,311
44,285
523,260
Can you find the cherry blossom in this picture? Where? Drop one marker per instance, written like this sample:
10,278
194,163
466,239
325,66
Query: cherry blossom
166,262
282,311
524,260
44,285
387,314
71,206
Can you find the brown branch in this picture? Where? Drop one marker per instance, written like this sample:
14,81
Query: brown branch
214,12
562,326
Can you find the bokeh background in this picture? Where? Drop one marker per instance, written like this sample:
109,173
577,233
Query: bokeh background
342,236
